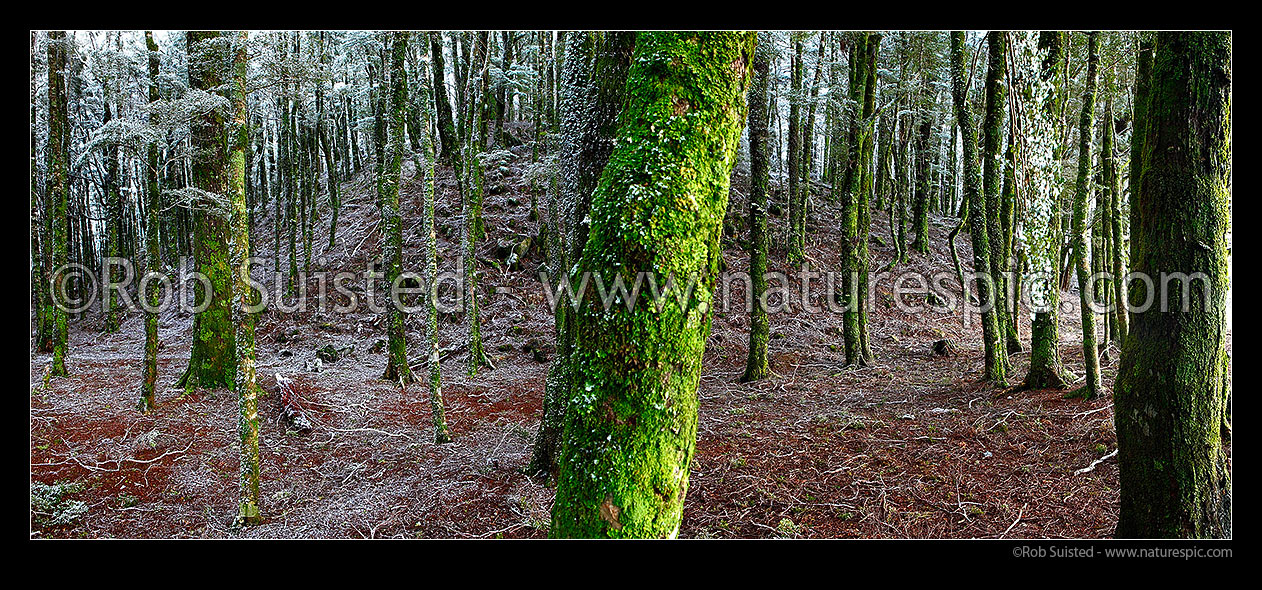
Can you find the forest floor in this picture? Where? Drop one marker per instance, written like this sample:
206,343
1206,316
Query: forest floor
912,446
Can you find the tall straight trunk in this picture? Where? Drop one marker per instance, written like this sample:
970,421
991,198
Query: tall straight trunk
881,197
58,195
1046,369
1170,393
902,186
795,240
1139,118
446,129
996,363
212,362
920,202
39,237
153,259
630,429
866,187
114,222
1079,229
247,390
1116,254
808,132
474,144
397,369
756,363
854,252
438,411
593,93
281,189
1007,242
330,148
992,173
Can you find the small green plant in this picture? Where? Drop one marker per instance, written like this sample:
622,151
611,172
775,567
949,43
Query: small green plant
788,527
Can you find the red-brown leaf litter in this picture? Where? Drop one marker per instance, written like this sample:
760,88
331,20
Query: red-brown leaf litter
912,446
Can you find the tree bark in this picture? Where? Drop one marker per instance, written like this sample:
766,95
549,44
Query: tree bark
1170,391
630,429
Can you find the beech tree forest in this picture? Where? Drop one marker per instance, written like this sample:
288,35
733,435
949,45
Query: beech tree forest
346,284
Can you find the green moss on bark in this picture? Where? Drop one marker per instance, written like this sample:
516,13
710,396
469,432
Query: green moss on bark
212,362
630,426
397,369
1171,391
996,362
1079,229
756,363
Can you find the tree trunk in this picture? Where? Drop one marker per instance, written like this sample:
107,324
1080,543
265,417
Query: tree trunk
630,430
242,299
397,369
1078,237
992,172
446,129
593,93
212,362
756,364
1170,391
1046,369
154,261
58,195
996,363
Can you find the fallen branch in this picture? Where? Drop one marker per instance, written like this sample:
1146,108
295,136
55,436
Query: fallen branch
1095,463
1014,523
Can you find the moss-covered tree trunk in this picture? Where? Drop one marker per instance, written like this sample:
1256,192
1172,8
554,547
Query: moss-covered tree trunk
153,255
759,330
213,361
1139,131
446,129
593,93
41,295
630,426
114,206
1170,392
1046,369
992,172
438,411
854,205
795,201
58,195
996,362
397,369
1079,229
1113,229
472,186
920,202
866,187
242,298
808,134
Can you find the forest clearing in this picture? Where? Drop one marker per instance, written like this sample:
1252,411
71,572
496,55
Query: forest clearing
306,176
